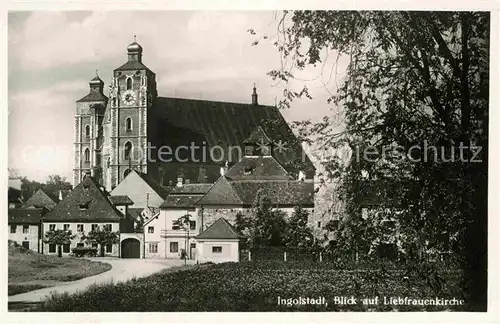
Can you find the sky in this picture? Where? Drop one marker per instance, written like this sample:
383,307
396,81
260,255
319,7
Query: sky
195,54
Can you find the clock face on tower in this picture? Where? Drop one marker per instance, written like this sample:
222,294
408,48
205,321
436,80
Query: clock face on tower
129,97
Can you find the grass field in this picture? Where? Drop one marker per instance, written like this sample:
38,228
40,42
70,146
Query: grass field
256,287
29,270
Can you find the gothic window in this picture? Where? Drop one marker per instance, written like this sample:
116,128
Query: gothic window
87,131
114,101
87,155
128,149
128,124
129,83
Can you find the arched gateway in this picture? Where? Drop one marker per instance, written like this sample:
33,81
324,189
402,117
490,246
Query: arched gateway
131,248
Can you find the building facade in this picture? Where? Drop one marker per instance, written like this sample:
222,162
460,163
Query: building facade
25,227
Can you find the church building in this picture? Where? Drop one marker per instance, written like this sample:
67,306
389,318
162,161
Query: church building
126,128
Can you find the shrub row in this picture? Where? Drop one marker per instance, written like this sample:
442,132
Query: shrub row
84,251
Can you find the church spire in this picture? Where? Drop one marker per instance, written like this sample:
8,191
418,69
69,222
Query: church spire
96,84
134,51
254,96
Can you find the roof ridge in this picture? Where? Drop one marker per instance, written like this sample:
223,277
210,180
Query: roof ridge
219,101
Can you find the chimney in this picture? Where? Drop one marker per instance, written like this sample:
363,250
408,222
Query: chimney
60,195
179,181
302,176
254,96
224,169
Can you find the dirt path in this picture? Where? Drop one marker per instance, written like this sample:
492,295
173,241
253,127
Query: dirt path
123,270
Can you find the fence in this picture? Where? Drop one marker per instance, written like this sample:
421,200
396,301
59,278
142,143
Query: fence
355,261
279,253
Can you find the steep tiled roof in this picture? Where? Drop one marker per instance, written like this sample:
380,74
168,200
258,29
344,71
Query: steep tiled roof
179,122
221,193
120,200
26,215
87,202
258,136
156,186
132,65
181,201
290,193
244,192
258,168
39,199
15,195
192,188
220,229
93,96
134,213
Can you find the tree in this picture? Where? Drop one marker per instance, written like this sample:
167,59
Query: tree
268,225
412,79
55,183
184,222
298,233
242,222
101,237
58,237
51,187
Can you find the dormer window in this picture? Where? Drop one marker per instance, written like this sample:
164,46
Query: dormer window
248,170
84,206
249,150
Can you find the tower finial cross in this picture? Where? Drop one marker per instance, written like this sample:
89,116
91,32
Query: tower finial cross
97,73
134,38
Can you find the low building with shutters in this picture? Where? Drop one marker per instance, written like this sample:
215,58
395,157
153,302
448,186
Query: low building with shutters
87,207
220,242
24,227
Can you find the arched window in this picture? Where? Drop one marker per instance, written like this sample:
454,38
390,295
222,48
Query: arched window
129,83
114,102
126,172
128,149
128,124
87,131
87,155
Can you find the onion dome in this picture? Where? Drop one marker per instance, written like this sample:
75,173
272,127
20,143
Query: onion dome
134,48
96,81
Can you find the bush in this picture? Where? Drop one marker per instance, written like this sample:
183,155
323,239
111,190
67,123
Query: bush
84,251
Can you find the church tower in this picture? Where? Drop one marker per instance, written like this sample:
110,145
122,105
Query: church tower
132,93
88,132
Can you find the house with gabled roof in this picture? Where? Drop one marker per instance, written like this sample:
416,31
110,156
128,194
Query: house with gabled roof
146,194
39,199
236,190
164,236
220,242
88,207
25,227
